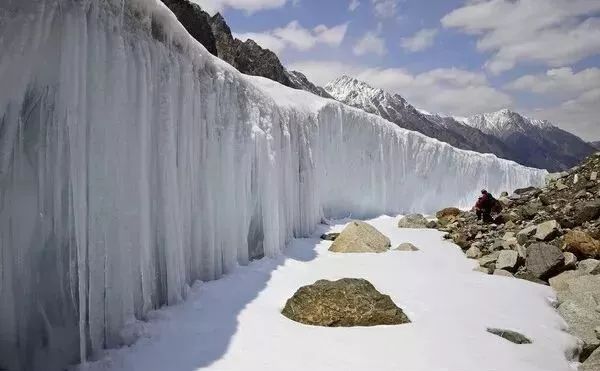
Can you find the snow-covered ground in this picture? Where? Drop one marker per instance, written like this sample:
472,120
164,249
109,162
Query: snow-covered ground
235,323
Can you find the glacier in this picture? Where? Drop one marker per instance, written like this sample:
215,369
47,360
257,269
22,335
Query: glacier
133,163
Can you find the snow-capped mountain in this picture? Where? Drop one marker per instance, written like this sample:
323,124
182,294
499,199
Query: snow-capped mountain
535,143
507,134
396,109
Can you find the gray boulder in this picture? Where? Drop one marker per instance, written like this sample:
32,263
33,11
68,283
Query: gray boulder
570,260
524,234
547,231
473,253
360,237
413,221
507,260
344,303
489,260
544,261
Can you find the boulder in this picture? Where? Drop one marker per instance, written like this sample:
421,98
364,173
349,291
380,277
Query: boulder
512,336
507,260
406,247
413,221
432,224
448,212
473,253
547,231
489,260
588,266
344,303
524,234
360,237
544,261
581,321
592,363
582,244
588,211
526,190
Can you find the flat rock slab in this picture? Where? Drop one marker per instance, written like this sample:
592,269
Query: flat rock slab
512,336
544,260
360,237
344,303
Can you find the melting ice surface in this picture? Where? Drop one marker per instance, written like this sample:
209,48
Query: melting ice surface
133,163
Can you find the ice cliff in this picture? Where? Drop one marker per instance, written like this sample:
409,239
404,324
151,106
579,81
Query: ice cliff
132,163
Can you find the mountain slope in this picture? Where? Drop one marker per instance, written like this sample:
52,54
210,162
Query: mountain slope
246,56
396,109
537,143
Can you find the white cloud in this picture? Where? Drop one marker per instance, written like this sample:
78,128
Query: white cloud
554,33
446,90
579,94
295,36
250,6
559,82
420,40
353,5
371,42
385,8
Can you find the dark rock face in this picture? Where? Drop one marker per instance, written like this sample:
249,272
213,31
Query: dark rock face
246,56
512,336
196,22
344,303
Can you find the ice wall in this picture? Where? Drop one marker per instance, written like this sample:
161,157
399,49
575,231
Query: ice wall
133,163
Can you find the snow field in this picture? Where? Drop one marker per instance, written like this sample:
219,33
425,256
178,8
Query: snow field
235,323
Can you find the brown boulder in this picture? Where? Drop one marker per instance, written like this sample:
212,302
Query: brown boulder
344,303
448,213
582,244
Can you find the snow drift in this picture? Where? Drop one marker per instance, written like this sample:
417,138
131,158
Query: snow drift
133,163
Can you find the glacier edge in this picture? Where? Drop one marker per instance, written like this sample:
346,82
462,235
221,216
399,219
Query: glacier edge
127,153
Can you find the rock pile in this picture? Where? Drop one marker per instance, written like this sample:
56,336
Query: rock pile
545,234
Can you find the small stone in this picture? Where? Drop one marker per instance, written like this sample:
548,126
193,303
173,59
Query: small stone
502,272
594,175
406,247
547,230
473,253
588,266
570,260
507,260
329,236
482,270
561,186
512,336
488,260
524,234
576,179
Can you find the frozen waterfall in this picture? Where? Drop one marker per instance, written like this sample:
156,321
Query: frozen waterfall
133,163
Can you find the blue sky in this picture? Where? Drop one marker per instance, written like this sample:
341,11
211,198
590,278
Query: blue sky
459,57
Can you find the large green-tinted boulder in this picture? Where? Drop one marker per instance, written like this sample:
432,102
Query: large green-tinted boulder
344,303
413,221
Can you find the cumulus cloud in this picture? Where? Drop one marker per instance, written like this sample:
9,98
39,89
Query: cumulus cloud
445,90
553,33
370,42
420,41
295,36
250,6
353,5
385,8
578,93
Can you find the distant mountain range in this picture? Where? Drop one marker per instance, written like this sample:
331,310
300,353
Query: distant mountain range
504,133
